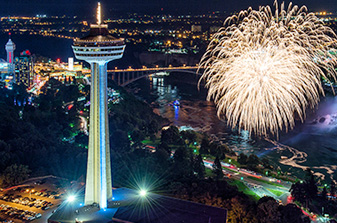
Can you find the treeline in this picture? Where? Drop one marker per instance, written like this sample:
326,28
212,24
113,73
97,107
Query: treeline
176,169
31,133
42,137
318,200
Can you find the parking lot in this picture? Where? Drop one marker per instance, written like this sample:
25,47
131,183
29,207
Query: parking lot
30,201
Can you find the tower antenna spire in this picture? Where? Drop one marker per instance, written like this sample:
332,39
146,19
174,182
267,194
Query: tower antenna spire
99,21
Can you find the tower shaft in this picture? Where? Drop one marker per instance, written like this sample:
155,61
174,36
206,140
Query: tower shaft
98,48
98,182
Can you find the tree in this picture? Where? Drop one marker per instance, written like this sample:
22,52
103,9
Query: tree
268,210
311,187
332,188
204,146
171,136
252,162
217,169
165,147
266,163
291,213
199,166
190,136
242,159
218,150
162,156
119,141
182,163
298,191
137,136
4,154
15,174
213,149
240,211
222,150
324,193
153,127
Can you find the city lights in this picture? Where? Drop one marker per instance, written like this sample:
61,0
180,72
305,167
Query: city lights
87,138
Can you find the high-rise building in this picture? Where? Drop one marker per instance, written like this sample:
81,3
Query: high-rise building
98,48
196,28
5,70
24,69
70,63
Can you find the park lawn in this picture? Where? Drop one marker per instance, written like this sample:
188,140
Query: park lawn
150,142
276,192
244,189
209,172
233,161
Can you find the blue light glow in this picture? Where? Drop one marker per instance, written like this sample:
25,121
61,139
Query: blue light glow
176,112
102,123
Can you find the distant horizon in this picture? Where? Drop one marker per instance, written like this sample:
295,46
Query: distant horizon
119,7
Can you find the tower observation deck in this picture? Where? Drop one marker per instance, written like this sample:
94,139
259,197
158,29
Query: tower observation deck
98,48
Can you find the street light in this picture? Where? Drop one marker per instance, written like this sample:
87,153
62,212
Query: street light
71,198
30,193
142,192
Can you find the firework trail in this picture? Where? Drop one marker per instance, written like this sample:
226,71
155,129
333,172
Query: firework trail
264,68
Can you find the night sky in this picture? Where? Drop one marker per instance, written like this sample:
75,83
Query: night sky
86,7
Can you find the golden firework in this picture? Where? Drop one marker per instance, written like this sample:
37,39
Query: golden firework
264,68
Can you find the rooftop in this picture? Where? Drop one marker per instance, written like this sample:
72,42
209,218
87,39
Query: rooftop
99,32
128,206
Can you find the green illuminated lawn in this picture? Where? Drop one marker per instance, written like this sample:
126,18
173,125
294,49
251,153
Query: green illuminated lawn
244,189
151,143
276,192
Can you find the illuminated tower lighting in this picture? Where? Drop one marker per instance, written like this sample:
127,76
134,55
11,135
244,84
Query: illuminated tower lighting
10,47
98,48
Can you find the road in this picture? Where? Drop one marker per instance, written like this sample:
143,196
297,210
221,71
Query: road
260,185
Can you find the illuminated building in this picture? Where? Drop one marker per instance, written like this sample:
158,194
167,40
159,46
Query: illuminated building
24,69
6,67
196,28
98,48
10,47
71,63
5,70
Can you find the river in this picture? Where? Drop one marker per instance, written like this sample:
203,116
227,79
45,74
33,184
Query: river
311,144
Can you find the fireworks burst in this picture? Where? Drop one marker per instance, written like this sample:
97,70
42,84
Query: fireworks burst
263,69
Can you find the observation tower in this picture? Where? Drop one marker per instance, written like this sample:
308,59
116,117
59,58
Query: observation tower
10,47
98,48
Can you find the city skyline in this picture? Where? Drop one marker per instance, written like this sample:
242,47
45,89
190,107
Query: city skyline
79,8
85,137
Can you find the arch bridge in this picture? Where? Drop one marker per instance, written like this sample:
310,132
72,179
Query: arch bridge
124,77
